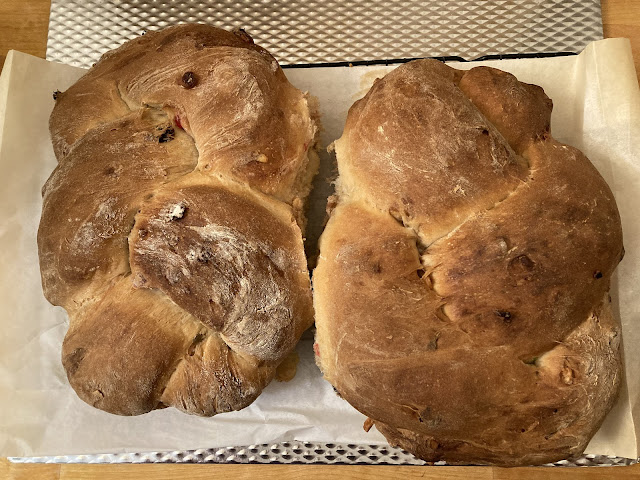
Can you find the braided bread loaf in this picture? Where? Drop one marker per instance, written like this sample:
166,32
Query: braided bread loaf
171,227
461,294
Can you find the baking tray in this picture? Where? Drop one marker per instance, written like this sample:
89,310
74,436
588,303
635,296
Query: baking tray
309,33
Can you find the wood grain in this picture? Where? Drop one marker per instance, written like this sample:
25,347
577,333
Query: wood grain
569,473
23,26
621,18
11,471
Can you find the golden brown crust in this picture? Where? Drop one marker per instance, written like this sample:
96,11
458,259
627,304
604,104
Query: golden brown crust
489,340
230,95
236,273
171,228
392,151
91,198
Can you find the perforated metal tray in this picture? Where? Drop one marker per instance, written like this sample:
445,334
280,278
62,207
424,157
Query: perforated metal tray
325,31
292,452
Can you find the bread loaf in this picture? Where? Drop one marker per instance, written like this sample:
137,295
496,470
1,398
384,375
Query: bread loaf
462,290
171,229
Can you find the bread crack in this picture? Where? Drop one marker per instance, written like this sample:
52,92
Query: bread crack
123,99
198,339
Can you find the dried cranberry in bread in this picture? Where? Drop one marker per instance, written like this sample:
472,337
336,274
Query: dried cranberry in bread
171,229
461,294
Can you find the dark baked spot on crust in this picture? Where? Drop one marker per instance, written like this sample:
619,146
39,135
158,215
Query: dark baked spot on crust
521,264
433,343
507,317
199,338
241,33
72,361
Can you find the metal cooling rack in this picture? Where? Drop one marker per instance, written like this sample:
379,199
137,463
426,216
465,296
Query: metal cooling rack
325,31
292,452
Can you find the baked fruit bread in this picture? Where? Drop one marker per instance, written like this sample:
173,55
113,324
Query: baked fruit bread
462,290
171,229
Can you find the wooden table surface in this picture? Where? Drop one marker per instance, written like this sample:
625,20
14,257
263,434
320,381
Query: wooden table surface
23,26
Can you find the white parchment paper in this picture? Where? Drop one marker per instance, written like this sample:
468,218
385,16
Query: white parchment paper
596,108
